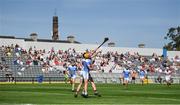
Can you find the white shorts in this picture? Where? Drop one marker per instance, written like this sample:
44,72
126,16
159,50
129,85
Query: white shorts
85,75
73,76
168,78
142,77
126,79
80,74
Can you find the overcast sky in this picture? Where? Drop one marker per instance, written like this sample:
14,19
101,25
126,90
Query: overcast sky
125,22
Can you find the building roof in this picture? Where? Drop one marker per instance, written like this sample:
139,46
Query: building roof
39,40
8,37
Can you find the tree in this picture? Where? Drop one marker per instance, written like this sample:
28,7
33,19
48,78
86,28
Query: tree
174,36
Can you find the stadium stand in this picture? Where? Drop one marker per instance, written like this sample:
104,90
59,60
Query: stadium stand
19,64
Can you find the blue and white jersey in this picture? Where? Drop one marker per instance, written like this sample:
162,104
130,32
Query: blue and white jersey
72,70
126,73
86,63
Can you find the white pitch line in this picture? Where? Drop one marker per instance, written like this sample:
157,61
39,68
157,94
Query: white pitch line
149,92
35,92
170,99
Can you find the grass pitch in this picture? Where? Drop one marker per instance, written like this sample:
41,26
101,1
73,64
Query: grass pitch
111,94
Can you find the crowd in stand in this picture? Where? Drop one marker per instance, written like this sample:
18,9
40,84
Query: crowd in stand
103,62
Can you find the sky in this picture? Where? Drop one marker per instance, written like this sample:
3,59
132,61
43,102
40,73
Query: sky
127,23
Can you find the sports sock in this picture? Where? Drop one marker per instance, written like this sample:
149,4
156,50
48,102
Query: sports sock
72,86
85,93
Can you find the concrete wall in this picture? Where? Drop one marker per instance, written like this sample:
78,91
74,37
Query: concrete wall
5,41
82,47
61,46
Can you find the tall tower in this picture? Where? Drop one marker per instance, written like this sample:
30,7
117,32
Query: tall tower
55,35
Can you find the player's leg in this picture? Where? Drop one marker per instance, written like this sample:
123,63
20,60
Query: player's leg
123,81
92,82
73,83
167,80
65,79
85,87
169,83
133,80
86,78
95,89
126,82
69,79
93,86
142,80
79,87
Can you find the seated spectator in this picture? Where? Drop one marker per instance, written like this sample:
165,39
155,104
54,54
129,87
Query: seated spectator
1,66
9,54
3,59
29,62
17,50
177,58
18,61
45,68
56,61
35,61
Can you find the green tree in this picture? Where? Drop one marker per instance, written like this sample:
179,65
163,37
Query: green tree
174,36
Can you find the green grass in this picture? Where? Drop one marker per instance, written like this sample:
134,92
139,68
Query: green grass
111,94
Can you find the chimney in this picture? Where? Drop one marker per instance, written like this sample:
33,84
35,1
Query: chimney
55,35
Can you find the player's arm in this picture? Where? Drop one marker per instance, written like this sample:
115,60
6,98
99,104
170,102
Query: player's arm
123,73
171,72
90,66
93,55
68,70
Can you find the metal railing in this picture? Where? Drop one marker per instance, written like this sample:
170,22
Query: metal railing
31,79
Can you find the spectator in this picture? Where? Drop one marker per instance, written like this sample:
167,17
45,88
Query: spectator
9,74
